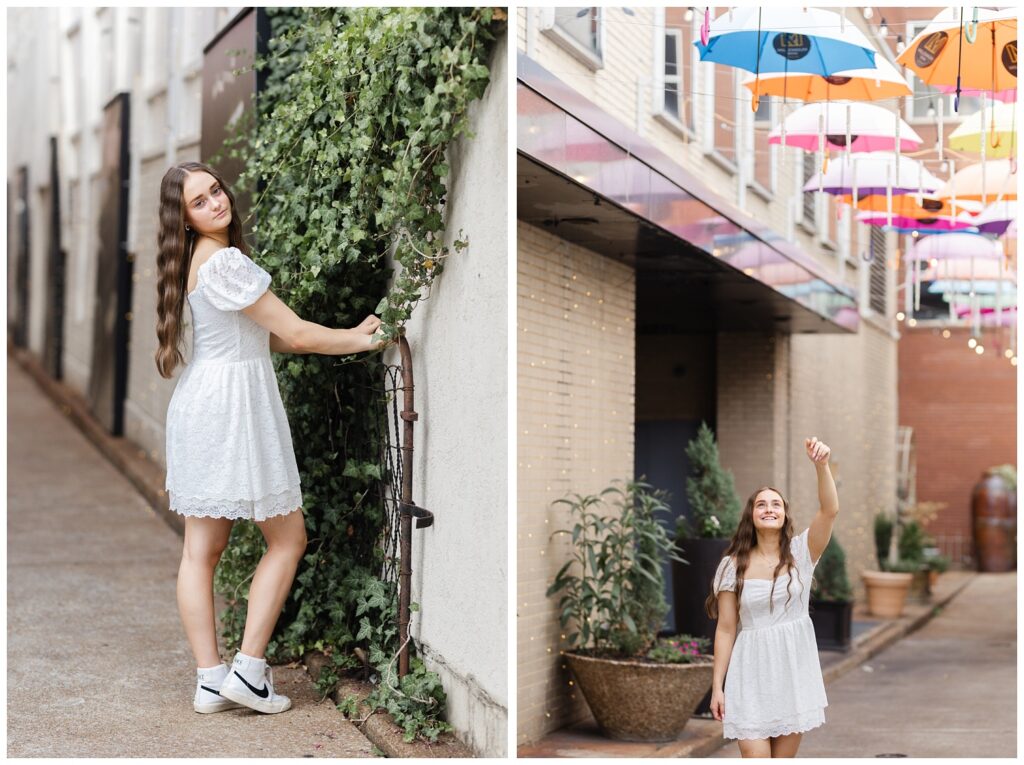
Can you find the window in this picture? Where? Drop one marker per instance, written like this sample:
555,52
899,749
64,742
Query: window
762,153
673,69
810,166
879,271
579,30
926,97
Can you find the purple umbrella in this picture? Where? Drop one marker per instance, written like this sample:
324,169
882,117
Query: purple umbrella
873,173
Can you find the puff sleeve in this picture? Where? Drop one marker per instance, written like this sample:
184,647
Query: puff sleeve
725,576
233,281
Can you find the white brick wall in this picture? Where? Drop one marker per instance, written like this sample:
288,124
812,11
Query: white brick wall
575,434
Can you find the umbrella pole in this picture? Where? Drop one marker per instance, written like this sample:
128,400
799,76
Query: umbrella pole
907,283
999,292
821,151
941,139
888,196
984,140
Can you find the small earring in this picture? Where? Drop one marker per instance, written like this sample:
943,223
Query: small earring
187,227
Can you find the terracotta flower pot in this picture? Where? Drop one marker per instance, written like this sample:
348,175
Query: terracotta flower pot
641,701
933,579
887,592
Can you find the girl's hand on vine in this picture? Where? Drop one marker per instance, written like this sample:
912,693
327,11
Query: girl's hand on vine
369,325
817,451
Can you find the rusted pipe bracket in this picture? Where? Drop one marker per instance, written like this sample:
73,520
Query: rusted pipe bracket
423,516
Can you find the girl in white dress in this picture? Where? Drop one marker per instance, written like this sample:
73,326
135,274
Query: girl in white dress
767,688
229,447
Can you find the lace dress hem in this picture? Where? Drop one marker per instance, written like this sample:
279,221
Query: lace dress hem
260,509
799,723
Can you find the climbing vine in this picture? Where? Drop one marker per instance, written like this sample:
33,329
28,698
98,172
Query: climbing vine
345,163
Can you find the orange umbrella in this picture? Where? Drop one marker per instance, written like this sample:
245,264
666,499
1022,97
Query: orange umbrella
851,85
942,54
982,182
913,206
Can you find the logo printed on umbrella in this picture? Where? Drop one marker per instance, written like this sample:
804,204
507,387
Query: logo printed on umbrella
1010,57
792,46
930,48
835,79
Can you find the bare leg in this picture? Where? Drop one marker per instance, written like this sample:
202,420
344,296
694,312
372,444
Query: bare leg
786,746
205,540
755,747
286,544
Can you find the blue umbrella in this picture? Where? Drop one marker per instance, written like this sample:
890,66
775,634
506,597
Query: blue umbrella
781,39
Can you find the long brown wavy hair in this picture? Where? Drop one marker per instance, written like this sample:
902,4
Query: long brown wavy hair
745,540
174,258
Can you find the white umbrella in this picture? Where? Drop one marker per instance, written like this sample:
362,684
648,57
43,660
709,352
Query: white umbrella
873,174
855,126
954,246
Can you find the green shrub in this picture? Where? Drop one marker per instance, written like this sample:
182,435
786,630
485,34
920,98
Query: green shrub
714,506
883,539
830,581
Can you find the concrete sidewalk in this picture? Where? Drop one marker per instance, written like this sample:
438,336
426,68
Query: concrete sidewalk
98,663
947,690
702,737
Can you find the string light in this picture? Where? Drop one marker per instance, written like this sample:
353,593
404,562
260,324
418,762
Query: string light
971,343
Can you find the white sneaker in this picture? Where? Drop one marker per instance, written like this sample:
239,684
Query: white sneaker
251,683
208,698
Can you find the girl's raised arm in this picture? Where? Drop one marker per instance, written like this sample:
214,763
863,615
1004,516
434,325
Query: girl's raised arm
828,498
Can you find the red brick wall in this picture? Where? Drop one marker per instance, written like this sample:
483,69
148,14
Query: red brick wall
963,409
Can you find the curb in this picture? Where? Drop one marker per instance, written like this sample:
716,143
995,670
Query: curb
379,727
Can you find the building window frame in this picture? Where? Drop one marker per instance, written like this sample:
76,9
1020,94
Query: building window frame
710,149
773,152
592,59
659,112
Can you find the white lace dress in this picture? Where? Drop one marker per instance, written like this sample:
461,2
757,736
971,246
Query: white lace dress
773,685
229,446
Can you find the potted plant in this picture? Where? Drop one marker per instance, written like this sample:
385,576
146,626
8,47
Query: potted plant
888,586
832,600
937,564
704,537
611,597
911,546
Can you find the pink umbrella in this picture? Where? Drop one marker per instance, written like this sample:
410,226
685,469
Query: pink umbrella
1006,96
923,225
869,127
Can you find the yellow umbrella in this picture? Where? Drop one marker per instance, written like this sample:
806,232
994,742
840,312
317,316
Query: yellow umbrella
983,181
943,54
1000,127
851,85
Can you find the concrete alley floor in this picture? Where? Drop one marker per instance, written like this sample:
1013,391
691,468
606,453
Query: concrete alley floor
98,663
947,690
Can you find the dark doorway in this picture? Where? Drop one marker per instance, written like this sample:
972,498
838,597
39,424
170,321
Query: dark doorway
22,261
53,342
108,384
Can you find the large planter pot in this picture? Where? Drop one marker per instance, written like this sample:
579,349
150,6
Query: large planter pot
887,592
994,509
691,584
641,701
920,588
833,624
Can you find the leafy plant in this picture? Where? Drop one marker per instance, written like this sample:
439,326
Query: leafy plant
883,539
710,490
345,162
938,563
612,588
912,542
830,582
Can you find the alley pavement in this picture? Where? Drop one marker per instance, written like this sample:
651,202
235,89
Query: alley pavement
947,690
97,660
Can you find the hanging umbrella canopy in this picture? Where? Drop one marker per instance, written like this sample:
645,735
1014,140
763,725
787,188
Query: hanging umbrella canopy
913,205
959,270
962,288
1006,96
805,40
869,173
871,128
956,246
851,85
999,182
904,224
997,217
1000,125
942,55
1007,317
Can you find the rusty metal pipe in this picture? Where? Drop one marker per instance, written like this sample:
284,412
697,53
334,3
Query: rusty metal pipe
409,416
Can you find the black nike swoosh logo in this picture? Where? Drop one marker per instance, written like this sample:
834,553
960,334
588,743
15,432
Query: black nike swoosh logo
209,689
261,692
